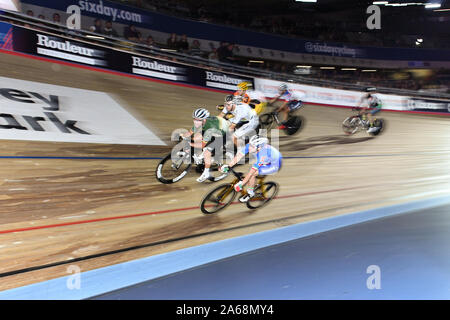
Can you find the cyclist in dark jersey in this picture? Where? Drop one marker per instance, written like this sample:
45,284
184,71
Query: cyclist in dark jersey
370,104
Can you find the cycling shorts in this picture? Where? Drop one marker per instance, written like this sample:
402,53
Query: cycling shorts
373,111
294,105
268,169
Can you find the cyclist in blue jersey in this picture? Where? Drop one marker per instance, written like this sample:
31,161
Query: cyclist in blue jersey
292,100
268,161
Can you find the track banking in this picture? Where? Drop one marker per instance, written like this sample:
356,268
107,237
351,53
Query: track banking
114,13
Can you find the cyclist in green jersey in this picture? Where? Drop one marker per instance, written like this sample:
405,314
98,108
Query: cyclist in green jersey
204,129
371,105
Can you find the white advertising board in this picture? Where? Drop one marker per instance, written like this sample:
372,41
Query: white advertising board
43,112
328,96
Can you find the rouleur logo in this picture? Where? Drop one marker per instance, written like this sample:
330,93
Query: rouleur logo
45,41
222,78
153,65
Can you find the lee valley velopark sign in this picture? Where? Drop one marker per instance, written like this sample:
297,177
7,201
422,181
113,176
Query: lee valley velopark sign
43,112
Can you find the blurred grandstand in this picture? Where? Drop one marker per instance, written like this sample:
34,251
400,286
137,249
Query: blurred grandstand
328,20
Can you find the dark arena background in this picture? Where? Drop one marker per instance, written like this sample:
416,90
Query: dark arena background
91,93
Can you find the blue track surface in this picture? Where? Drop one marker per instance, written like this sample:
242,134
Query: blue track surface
321,259
412,251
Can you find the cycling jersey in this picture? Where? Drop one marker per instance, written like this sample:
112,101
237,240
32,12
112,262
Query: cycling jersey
258,100
289,96
370,102
213,126
245,97
374,102
242,112
293,99
268,159
256,95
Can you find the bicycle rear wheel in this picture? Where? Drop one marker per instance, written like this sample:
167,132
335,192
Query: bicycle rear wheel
218,199
379,124
293,124
263,194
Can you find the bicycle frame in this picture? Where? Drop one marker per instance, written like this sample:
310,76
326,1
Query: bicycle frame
243,192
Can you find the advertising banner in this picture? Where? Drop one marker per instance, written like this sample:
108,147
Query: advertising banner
220,80
328,96
69,49
43,44
153,21
6,38
43,112
105,10
428,105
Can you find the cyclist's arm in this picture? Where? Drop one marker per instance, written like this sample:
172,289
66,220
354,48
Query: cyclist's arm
198,141
282,106
232,127
188,134
273,100
236,159
234,121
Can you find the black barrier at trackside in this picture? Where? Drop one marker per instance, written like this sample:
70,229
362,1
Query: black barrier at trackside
73,50
428,105
68,49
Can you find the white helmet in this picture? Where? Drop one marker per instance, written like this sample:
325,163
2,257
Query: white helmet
282,87
200,113
258,141
237,99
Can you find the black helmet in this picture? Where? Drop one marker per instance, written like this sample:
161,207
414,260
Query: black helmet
229,98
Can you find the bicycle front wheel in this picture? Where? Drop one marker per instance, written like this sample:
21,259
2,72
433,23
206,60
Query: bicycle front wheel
350,125
169,171
263,194
218,199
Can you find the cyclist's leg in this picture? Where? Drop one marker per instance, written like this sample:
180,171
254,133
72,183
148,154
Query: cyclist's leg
246,130
284,114
371,115
249,179
295,105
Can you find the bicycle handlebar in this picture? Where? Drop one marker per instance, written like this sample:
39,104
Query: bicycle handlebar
236,174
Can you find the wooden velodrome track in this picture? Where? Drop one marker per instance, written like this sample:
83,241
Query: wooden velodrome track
328,174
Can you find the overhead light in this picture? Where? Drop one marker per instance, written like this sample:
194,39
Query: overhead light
432,5
306,0
404,4
168,50
348,69
439,10
256,61
368,70
328,68
304,66
94,37
380,2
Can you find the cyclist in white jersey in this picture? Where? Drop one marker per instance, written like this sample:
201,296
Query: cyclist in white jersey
241,112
